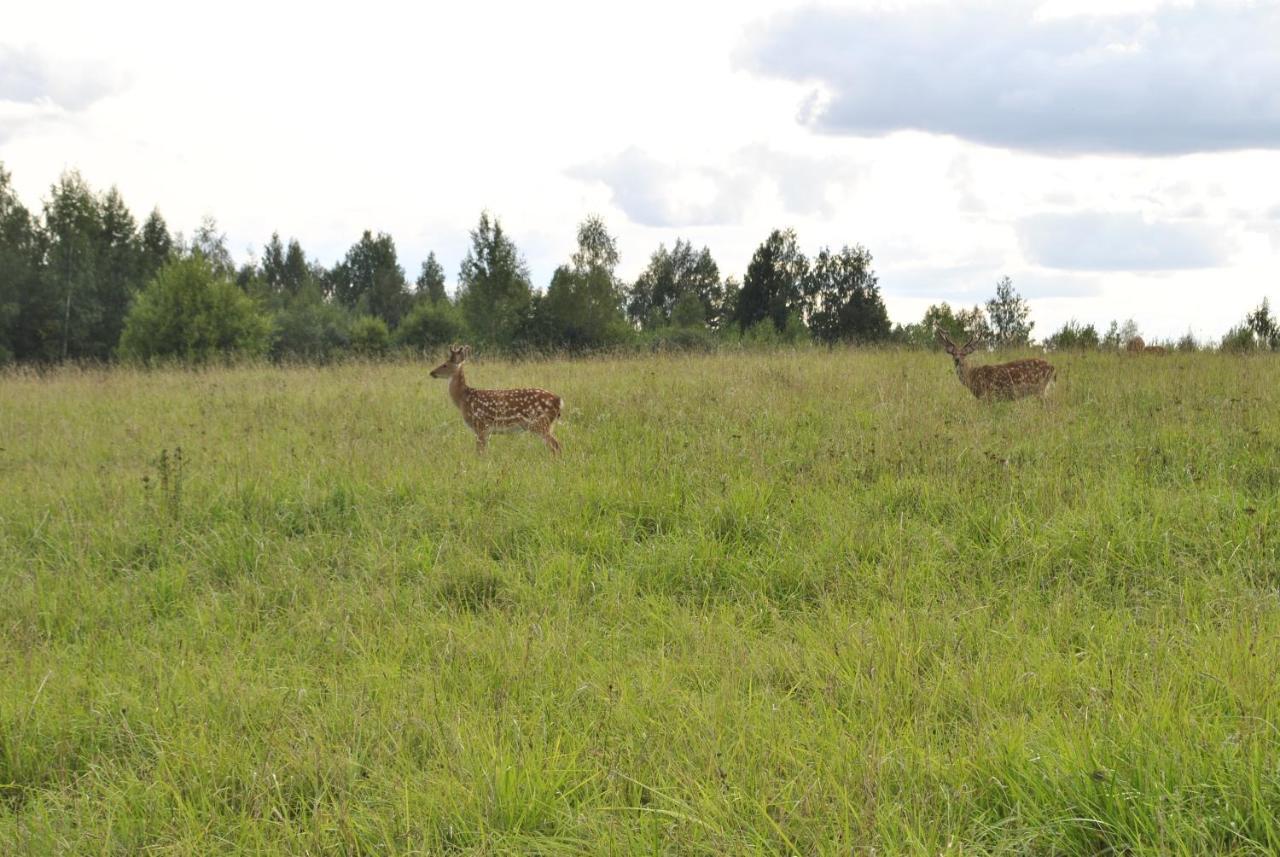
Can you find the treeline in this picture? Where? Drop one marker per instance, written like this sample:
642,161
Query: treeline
83,281
1259,331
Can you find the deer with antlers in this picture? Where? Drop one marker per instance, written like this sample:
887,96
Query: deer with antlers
489,411
1014,380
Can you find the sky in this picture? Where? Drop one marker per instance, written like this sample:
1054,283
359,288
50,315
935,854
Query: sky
1116,159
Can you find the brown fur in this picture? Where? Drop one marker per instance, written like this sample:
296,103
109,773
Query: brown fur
1013,380
489,411
1138,346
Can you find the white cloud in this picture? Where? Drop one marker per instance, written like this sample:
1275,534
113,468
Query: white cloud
1173,80
1123,241
36,89
654,192
33,77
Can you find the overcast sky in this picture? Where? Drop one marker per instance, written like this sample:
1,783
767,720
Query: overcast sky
1114,158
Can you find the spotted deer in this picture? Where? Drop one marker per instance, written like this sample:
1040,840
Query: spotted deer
1014,380
489,411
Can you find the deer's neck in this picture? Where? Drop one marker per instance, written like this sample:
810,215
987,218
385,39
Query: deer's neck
965,373
458,388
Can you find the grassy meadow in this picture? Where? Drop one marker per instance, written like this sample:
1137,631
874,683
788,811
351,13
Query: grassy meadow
802,602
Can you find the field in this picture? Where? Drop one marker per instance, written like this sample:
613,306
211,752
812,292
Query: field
801,602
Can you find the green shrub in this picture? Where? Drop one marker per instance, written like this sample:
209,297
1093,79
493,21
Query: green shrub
1239,339
311,328
681,339
764,334
190,313
369,336
431,324
1073,336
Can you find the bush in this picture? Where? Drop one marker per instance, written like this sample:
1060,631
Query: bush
431,324
369,336
188,312
1073,336
1265,328
1239,339
681,339
311,328
688,312
1119,335
764,333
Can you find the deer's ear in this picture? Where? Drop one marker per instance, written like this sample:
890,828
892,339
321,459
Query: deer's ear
465,352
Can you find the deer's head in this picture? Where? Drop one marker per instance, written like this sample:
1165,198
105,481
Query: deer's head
958,352
458,355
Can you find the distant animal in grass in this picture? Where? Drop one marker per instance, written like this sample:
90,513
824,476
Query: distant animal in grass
1138,346
489,411
1016,379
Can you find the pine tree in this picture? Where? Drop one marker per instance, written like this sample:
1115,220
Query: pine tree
431,280
370,280
273,264
157,246
118,274
772,289
19,270
296,274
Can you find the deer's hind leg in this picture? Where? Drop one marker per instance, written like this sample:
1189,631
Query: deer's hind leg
542,427
551,442
1046,389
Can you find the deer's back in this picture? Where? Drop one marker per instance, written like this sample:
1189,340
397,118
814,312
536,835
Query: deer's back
522,408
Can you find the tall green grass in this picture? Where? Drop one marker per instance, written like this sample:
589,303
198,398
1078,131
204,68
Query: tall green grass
810,602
